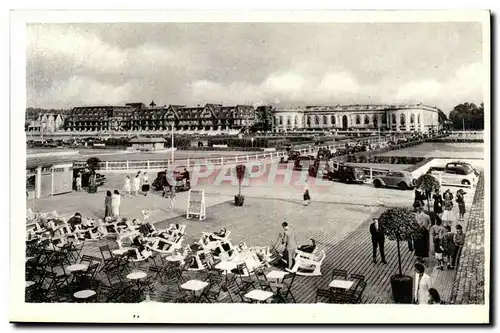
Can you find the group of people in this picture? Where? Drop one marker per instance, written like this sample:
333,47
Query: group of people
135,186
442,204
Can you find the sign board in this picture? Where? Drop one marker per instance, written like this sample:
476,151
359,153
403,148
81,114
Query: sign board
196,204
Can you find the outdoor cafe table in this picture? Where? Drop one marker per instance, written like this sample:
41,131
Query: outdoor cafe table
194,286
277,276
259,295
174,258
137,276
121,251
83,295
248,258
341,284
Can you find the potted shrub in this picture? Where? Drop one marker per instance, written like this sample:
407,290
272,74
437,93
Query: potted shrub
400,224
240,175
93,164
429,184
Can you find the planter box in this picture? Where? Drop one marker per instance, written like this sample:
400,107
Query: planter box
402,289
239,200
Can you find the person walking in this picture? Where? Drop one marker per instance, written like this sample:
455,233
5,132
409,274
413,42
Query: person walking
448,217
107,204
306,196
288,239
378,239
137,183
145,183
422,285
115,204
185,177
126,186
461,204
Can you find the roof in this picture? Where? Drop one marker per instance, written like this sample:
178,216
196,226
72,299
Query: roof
147,140
47,161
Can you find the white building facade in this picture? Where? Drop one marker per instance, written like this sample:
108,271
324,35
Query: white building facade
397,118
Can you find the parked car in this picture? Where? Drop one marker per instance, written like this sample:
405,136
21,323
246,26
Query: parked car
462,164
455,175
398,179
320,166
303,162
347,174
160,182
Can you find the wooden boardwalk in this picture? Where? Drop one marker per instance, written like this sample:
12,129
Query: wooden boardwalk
347,245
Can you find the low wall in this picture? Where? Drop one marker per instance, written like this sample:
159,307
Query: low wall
469,282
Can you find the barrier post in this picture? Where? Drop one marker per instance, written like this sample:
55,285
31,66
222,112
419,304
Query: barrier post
147,165
107,166
188,162
221,161
248,159
127,165
371,174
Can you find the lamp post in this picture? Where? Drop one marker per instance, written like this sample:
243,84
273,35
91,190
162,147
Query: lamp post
172,145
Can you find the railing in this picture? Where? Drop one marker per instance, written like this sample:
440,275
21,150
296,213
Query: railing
219,161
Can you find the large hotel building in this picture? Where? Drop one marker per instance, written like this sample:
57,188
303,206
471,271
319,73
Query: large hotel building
219,118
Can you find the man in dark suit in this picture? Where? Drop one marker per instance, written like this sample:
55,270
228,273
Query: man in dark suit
378,238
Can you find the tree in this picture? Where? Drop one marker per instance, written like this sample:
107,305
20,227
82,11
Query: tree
442,116
93,164
264,118
429,184
399,224
467,115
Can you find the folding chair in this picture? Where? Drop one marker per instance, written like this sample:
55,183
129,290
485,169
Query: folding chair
107,257
339,274
242,273
285,288
326,294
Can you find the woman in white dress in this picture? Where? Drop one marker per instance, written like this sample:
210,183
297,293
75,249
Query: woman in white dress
137,183
126,187
448,216
115,203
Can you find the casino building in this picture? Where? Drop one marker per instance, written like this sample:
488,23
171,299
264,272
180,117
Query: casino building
399,118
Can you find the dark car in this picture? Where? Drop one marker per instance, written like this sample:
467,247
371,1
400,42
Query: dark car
100,179
160,182
303,162
348,174
319,169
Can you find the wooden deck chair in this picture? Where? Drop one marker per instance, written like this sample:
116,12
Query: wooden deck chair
225,251
177,227
200,261
309,265
164,246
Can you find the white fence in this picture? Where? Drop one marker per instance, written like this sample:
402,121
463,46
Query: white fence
219,161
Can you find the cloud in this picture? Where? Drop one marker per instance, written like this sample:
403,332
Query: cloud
80,91
465,85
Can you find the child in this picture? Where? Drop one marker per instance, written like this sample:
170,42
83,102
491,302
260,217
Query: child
448,246
438,251
79,182
459,240
461,204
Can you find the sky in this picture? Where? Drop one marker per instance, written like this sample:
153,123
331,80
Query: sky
285,64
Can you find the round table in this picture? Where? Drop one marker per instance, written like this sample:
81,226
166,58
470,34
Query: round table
84,294
136,275
76,268
29,283
174,258
120,252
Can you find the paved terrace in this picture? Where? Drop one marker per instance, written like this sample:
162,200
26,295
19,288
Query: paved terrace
338,219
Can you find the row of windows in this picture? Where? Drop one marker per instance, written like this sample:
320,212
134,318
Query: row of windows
316,119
